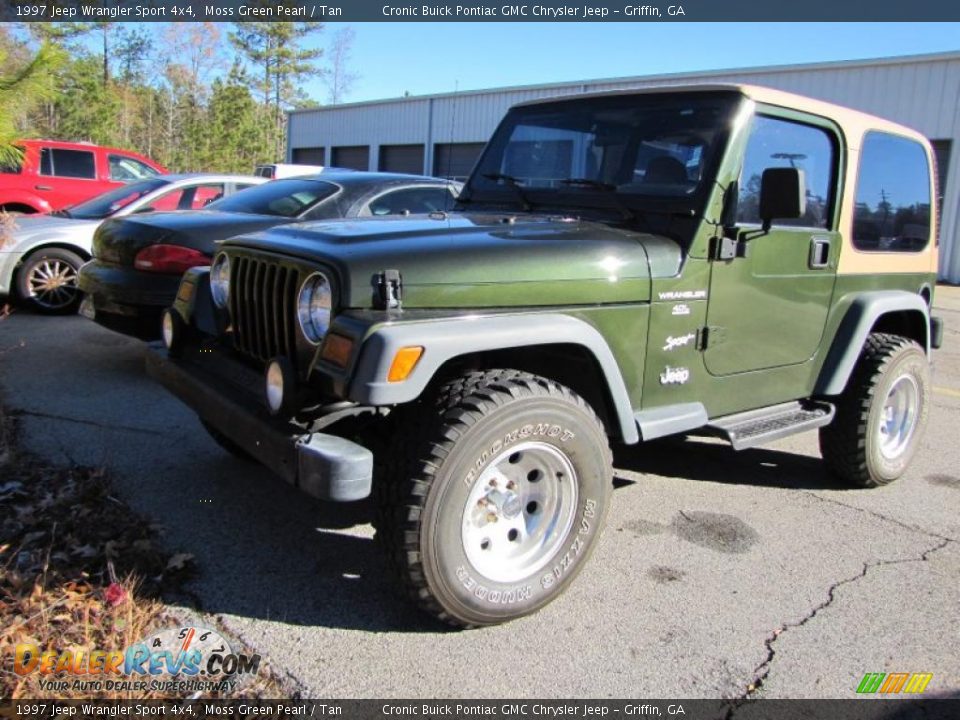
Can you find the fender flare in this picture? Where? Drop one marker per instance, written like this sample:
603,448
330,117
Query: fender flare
860,318
444,340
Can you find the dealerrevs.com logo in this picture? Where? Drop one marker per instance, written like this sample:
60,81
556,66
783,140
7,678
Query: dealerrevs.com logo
187,659
893,683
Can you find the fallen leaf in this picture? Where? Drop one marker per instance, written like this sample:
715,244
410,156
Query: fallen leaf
179,561
115,594
86,551
34,536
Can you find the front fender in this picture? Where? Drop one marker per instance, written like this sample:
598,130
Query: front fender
445,340
864,312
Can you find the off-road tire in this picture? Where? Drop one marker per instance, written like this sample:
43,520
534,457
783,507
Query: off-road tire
437,458
46,261
850,444
226,443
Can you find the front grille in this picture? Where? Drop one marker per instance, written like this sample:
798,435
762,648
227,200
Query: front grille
263,307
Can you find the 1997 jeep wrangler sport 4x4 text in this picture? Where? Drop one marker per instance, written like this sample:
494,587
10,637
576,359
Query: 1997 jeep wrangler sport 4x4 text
732,260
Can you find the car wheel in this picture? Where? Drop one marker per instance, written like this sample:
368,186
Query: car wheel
493,496
226,443
881,414
47,281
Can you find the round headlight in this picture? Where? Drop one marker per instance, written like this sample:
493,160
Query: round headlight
275,387
171,329
314,306
280,387
220,280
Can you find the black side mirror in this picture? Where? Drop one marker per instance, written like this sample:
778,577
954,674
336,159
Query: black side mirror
783,195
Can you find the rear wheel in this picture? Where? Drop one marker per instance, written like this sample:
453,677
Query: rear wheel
47,281
493,496
881,414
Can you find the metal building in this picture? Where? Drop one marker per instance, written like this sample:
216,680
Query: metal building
443,134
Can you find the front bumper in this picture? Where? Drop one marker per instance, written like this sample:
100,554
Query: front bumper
324,466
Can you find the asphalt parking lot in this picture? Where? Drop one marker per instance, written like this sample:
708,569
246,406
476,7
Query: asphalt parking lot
717,571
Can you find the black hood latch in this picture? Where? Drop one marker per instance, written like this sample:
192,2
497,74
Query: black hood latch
388,287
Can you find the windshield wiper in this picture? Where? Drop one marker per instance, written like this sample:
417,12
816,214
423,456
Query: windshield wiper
587,182
515,184
61,213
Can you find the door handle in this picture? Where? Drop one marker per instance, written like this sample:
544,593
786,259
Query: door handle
819,253
43,187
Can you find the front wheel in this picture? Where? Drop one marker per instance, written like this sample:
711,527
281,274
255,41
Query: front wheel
494,496
881,414
47,281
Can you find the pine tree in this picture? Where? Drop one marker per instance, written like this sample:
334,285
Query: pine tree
276,51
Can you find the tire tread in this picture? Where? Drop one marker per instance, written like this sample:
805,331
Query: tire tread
422,438
843,442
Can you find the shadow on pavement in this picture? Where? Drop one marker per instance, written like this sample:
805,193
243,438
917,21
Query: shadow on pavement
294,560
289,558
696,458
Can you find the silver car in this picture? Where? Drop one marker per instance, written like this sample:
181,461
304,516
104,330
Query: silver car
40,255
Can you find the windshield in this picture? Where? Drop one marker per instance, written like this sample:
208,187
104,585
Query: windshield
286,198
110,202
651,146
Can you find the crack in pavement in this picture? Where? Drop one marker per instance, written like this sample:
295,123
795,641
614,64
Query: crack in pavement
762,671
881,516
93,423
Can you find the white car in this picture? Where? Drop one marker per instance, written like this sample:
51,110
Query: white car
276,171
40,255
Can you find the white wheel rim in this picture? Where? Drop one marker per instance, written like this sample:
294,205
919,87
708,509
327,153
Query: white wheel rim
52,283
898,418
519,511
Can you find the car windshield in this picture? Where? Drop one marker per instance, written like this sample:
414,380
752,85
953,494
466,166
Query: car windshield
286,198
651,146
111,202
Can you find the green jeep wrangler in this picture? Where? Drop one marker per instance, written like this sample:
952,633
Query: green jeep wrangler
619,267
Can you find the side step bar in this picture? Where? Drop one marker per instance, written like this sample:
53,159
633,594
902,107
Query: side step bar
758,427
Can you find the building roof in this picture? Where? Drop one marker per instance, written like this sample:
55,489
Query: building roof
666,78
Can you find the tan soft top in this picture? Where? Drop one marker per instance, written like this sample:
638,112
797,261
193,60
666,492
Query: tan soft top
853,122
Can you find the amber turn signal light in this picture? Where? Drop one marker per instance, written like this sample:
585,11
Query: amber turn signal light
337,349
403,363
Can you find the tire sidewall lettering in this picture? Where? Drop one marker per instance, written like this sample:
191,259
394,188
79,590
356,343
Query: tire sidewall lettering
546,420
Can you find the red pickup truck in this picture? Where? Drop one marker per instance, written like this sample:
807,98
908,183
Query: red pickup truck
56,174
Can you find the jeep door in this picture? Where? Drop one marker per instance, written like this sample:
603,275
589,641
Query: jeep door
768,307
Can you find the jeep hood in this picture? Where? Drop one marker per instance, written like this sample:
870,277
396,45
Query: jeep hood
473,261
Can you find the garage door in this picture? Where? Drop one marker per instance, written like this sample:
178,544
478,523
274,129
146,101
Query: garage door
356,157
455,160
309,156
402,159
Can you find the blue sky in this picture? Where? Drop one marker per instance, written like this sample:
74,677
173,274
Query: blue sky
426,58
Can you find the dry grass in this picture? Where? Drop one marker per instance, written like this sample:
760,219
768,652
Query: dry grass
78,570
8,223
